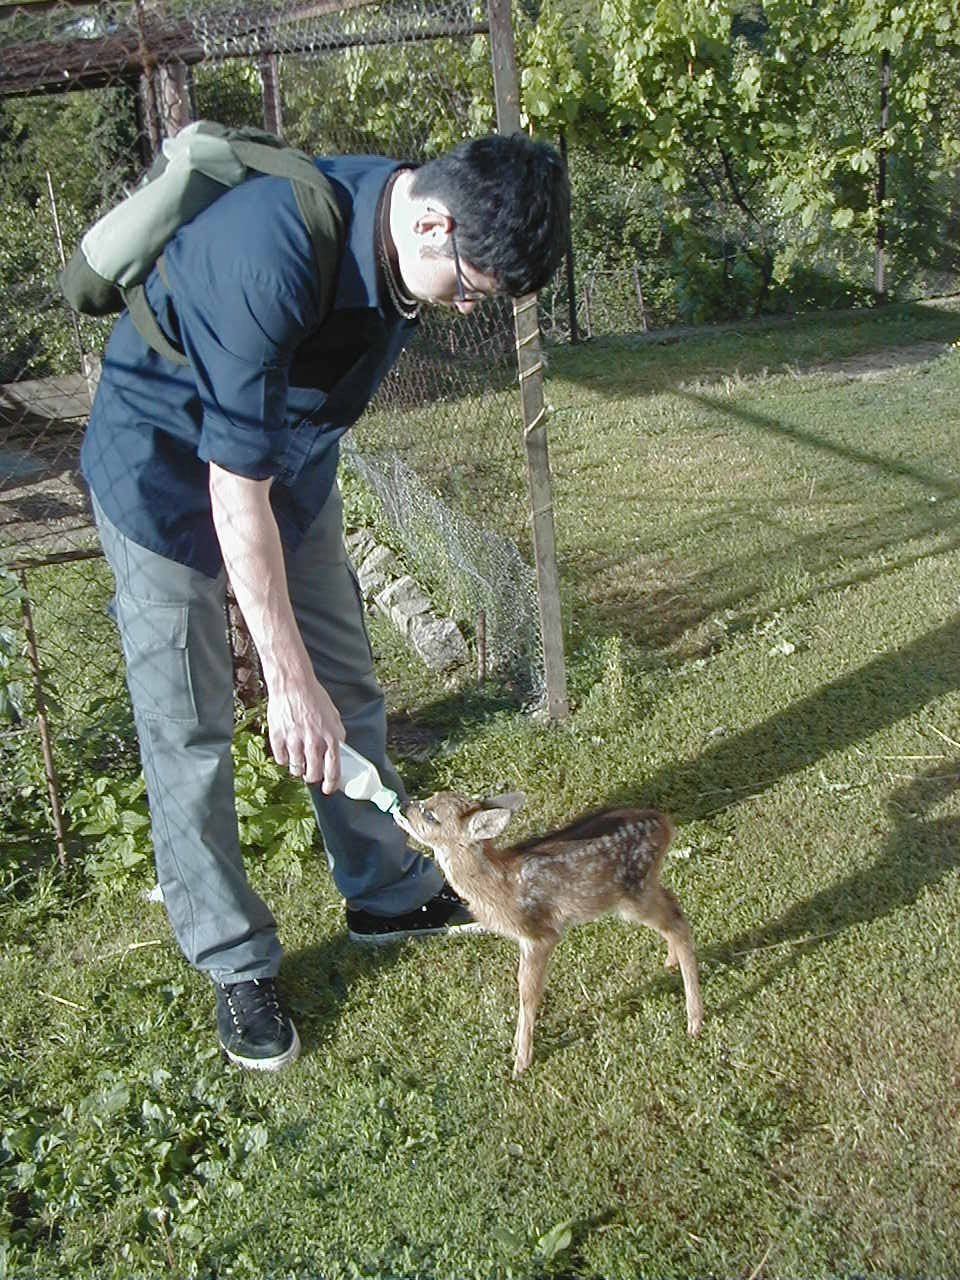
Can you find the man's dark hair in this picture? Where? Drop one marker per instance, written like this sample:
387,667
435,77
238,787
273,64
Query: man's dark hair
510,200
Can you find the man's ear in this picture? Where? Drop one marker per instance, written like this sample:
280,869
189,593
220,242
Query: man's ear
487,824
433,220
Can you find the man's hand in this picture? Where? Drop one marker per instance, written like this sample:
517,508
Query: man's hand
305,730
305,727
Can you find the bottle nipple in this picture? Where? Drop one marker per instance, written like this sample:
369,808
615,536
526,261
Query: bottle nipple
386,800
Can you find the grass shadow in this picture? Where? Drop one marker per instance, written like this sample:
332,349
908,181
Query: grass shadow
827,492
661,600
919,853
842,713
316,981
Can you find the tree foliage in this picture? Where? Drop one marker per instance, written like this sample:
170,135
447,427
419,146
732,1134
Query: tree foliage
727,149
410,101
87,144
762,121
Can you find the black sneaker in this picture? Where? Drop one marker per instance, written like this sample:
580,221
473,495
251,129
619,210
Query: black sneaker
254,1031
444,913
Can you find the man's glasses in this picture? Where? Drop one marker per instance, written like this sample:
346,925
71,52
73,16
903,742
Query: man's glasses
463,295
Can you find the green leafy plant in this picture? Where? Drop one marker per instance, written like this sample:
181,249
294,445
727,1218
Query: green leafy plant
11,656
276,820
110,814
11,687
134,1137
275,817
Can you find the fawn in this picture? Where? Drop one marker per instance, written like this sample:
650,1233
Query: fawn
608,861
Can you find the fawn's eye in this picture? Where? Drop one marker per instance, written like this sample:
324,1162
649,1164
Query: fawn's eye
430,816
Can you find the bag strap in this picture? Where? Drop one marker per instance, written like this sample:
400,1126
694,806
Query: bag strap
324,222
315,199
147,325
321,216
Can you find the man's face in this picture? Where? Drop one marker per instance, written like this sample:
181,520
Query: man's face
449,282
434,271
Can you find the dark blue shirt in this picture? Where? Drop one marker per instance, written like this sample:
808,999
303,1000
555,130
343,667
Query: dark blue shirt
271,385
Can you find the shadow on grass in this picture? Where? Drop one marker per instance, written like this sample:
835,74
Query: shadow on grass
660,609
648,364
918,854
415,737
317,979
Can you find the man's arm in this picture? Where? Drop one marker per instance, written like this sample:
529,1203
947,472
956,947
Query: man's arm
304,725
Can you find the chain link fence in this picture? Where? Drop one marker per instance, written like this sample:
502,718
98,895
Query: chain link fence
645,297
87,93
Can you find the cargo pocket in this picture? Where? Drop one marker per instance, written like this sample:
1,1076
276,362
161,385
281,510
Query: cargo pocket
154,638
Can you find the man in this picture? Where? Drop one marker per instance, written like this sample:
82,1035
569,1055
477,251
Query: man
226,467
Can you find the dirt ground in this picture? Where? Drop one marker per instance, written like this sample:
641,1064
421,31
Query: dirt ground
877,364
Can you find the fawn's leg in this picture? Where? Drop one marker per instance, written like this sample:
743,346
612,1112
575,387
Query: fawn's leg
531,974
659,910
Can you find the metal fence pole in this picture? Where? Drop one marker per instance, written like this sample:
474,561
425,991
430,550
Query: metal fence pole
571,274
530,369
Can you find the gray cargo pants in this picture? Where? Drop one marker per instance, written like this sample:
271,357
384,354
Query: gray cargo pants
179,673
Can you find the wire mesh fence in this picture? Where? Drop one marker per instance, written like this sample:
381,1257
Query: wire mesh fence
645,297
87,93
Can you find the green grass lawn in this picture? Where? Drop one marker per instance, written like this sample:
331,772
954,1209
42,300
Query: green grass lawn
762,581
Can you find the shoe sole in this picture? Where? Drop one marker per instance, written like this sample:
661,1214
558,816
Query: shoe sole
266,1064
398,935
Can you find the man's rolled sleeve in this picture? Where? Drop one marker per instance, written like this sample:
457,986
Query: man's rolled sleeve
244,427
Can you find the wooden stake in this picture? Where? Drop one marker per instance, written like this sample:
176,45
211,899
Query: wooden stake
481,646
270,93
53,790
533,406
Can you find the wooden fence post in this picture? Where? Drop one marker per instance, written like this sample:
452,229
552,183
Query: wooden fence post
571,276
270,92
530,370
880,249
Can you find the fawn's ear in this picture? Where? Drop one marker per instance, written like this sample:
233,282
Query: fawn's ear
512,800
487,824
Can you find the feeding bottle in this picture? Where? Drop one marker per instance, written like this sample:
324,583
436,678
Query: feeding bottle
360,780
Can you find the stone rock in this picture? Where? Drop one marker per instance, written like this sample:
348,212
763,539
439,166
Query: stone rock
438,642
376,570
359,544
402,601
